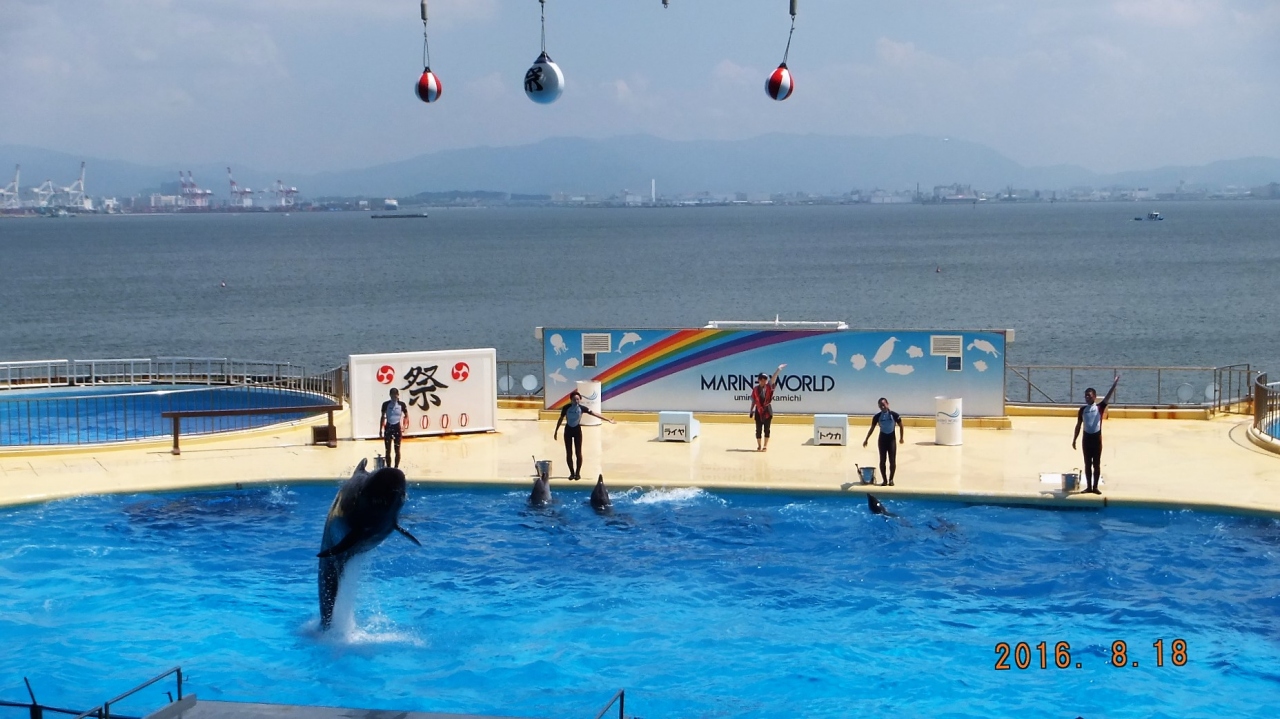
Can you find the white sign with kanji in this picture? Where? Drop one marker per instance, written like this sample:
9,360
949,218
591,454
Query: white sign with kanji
446,392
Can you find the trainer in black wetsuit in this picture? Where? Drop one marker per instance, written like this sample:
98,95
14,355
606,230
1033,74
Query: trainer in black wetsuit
571,416
1090,417
395,417
886,419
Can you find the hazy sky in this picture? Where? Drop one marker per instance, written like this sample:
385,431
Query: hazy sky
307,85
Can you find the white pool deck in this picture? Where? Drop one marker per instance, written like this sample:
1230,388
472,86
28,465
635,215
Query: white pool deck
1203,464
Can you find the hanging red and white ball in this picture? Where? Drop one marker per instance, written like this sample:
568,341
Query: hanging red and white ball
780,85
544,82
429,88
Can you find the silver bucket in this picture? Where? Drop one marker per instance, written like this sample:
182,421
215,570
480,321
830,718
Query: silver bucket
868,474
1071,481
543,468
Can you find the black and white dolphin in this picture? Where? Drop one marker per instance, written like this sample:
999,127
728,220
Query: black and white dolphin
600,496
366,510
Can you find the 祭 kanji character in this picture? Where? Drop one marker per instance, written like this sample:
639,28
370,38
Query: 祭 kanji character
422,385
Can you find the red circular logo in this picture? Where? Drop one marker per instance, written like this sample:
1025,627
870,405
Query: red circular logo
386,374
461,372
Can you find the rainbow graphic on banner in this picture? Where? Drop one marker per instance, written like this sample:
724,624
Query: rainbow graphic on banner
680,351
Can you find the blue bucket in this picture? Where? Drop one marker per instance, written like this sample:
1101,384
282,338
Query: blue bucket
868,474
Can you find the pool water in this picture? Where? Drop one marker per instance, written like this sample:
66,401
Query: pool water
700,604
98,414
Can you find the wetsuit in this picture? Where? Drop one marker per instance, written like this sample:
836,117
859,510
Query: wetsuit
571,415
888,421
762,408
393,414
1091,417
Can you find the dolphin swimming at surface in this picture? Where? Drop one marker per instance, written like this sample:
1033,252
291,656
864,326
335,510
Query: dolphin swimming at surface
365,511
876,507
600,496
541,494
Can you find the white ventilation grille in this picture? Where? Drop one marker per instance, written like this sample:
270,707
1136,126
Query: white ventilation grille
597,342
946,345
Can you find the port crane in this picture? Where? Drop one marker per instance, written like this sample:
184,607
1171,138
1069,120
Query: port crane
10,194
240,196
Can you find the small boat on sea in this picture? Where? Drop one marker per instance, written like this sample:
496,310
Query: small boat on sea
410,216
1151,216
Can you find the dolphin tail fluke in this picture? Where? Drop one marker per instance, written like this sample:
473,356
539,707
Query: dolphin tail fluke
406,533
347,543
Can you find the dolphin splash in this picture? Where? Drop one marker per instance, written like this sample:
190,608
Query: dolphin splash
365,511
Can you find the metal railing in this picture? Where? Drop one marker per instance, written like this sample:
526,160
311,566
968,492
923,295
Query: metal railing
146,370
520,378
228,403
1220,389
620,699
1266,406
104,711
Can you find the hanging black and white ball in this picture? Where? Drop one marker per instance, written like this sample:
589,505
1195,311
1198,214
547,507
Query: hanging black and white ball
780,85
544,82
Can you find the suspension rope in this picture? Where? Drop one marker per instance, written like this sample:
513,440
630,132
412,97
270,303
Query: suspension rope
426,50
793,32
543,5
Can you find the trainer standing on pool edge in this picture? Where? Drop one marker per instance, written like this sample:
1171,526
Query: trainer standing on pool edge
571,416
1090,416
762,406
886,419
393,423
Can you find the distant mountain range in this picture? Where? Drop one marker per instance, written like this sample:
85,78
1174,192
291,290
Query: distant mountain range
771,163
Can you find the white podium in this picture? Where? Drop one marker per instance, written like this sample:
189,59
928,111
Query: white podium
590,392
677,426
831,429
950,421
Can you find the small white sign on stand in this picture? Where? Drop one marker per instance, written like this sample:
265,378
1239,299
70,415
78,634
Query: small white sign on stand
590,392
950,421
447,392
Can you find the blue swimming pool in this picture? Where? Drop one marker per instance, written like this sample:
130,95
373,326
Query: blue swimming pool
97,414
700,604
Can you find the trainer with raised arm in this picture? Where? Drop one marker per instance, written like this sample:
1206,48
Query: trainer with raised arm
886,419
762,406
571,417
1090,417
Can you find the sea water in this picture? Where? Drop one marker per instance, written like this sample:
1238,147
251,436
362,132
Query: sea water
1081,283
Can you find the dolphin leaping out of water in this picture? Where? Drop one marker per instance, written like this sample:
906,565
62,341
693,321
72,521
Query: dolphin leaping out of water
600,496
366,510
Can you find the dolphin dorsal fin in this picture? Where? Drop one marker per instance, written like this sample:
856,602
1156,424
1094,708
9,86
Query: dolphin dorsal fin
405,532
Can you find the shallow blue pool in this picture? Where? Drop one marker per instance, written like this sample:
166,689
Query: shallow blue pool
97,414
699,604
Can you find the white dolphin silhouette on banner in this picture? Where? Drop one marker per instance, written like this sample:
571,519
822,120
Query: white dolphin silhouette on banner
629,338
885,351
830,349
